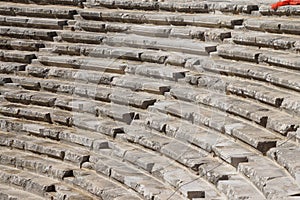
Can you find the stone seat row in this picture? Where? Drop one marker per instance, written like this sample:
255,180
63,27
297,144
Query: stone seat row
148,185
27,33
7,192
20,44
97,162
269,40
251,166
233,160
51,2
186,158
42,23
262,115
36,185
256,55
184,32
141,42
101,93
33,10
186,6
165,18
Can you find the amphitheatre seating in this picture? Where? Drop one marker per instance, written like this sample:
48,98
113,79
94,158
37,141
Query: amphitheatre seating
107,99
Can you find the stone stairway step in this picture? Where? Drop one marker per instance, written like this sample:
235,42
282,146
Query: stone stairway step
274,76
269,40
44,2
32,10
262,115
276,58
244,132
79,75
166,44
138,181
47,147
203,20
179,6
8,192
11,67
141,84
272,182
266,24
27,181
293,10
95,64
32,162
97,51
184,32
16,56
287,157
82,37
27,33
32,22
155,71
20,44
129,157
105,189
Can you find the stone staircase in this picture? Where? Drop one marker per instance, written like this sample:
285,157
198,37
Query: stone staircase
115,99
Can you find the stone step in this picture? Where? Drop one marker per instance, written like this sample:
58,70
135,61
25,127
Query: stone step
31,22
264,93
166,44
184,32
80,75
269,40
179,6
46,147
288,10
16,56
8,192
142,84
287,156
94,64
82,37
32,10
266,24
156,71
20,44
274,76
27,181
165,18
274,183
101,187
11,67
27,33
252,54
219,121
138,181
262,115
137,41
32,162
51,2
100,145
97,51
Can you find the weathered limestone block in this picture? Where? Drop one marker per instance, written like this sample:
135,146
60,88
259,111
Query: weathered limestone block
7,192
167,73
291,103
127,97
281,59
27,33
238,52
16,56
272,182
77,37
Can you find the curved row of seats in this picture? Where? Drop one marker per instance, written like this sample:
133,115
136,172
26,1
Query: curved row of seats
102,100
